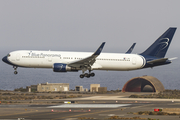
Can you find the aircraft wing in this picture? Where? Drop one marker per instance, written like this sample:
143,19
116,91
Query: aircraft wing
88,61
131,49
157,60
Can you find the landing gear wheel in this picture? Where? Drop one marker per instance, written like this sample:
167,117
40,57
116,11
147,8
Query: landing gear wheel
15,72
92,74
15,68
81,76
86,75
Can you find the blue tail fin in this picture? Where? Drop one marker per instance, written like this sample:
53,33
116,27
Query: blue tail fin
160,46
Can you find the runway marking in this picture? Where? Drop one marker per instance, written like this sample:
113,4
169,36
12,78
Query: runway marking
122,98
89,106
86,114
109,114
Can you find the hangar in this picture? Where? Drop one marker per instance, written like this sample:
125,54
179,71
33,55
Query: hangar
143,84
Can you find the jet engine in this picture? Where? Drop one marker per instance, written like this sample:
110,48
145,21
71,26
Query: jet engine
61,67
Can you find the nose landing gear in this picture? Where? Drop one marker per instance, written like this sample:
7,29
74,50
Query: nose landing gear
15,68
15,72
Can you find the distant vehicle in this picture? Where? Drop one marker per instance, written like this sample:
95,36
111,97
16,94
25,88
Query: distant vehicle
61,61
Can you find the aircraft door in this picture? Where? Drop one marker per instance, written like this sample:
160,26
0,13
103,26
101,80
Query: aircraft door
134,61
17,57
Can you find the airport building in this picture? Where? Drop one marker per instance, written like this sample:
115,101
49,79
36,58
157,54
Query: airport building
49,87
143,84
102,89
137,84
94,87
79,88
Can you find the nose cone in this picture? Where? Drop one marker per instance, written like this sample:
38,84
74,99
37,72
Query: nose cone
4,59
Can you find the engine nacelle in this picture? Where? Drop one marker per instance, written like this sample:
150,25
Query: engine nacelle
61,67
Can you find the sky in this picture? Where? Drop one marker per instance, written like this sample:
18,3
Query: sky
82,25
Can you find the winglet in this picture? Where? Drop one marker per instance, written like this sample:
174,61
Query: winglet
131,48
98,51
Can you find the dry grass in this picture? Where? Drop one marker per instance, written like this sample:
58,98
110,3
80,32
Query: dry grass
133,118
156,113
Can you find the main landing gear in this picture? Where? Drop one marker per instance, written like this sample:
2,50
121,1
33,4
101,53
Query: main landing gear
15,68
84,68
87,75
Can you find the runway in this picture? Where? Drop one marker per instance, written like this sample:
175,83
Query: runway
98,107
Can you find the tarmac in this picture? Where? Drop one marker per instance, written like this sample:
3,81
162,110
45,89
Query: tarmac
96,107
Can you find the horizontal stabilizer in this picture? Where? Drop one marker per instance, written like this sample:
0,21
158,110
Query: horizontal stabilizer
157,60
173,58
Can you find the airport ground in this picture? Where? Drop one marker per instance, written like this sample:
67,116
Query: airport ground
92,106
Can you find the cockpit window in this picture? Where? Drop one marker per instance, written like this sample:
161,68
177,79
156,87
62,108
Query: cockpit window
8,55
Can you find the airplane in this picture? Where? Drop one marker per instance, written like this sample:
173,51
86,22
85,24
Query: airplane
63,61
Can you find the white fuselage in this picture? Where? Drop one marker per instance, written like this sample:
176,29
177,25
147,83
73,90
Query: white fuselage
105,61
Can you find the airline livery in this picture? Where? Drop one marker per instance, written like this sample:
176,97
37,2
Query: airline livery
61,61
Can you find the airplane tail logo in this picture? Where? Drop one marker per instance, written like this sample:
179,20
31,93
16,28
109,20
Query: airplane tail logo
160,46
164,43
